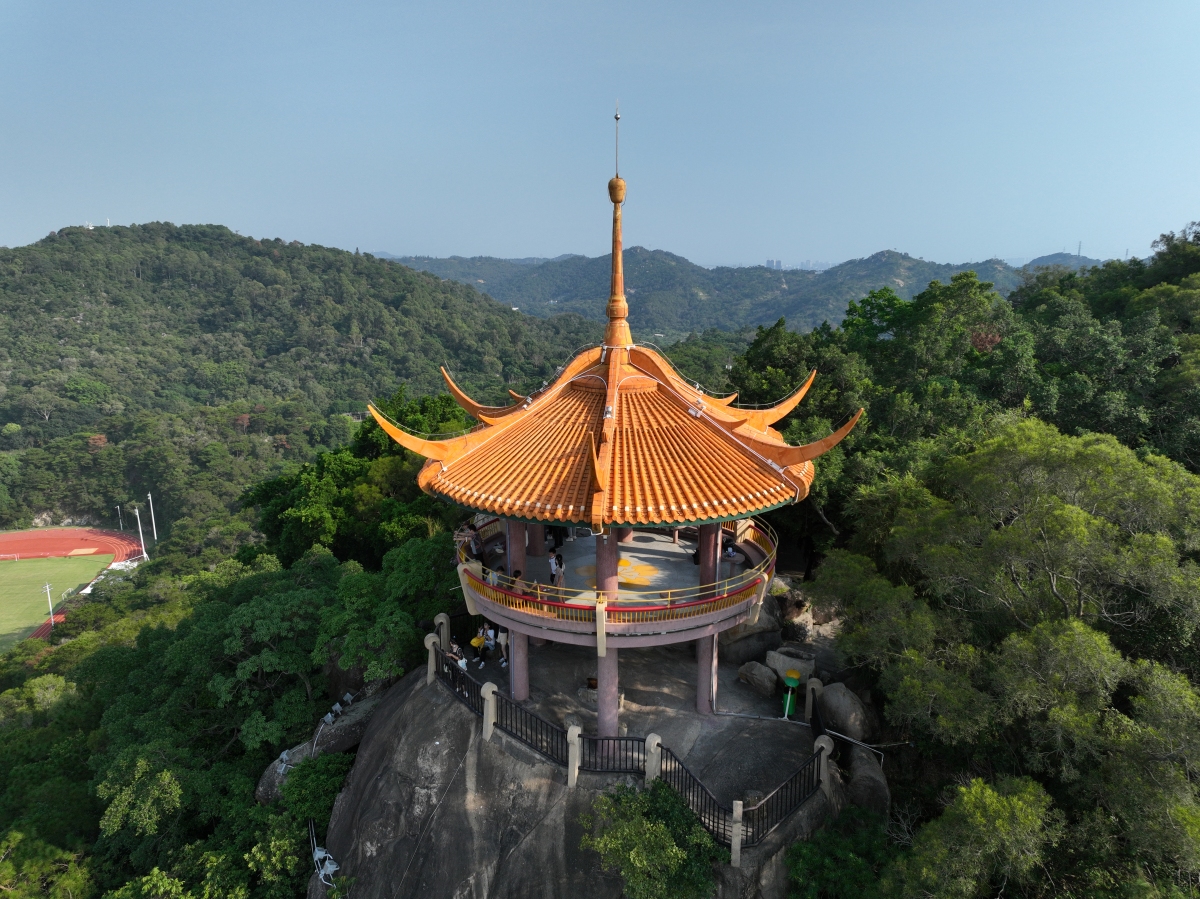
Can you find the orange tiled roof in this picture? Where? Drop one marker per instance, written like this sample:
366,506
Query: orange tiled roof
619,439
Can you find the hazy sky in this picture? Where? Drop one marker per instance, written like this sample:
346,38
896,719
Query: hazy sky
793,130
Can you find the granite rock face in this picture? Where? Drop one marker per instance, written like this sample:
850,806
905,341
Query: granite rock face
430,809
752,640
751,648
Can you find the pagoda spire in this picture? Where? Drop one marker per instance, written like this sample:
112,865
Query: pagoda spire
617,332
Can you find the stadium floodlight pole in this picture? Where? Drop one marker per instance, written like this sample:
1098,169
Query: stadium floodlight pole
120,520
141,539
51,603
153,526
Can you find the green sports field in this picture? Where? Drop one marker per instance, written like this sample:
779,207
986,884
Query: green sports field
23,598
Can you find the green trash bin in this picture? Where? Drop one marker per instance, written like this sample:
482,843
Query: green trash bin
791,680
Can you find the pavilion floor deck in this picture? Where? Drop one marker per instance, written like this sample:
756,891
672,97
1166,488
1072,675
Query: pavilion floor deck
651,562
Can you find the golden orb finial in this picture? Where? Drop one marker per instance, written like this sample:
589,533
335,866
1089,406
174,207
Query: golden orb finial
616,190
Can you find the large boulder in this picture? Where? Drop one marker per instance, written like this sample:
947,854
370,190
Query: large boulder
790,658
868,787
760,678
843,712
823,614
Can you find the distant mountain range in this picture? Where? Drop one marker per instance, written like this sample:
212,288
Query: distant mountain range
670,297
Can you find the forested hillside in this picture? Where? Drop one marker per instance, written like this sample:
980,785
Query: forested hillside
670,297
192,362
1013,544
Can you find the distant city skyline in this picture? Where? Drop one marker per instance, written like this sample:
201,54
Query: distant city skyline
954,132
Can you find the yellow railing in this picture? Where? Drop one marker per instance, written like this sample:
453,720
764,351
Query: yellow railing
533,605
584,609
625,615
629,606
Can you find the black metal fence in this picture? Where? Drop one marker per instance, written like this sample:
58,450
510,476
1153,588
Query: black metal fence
760,819
617,755
716,818
461,684
627,755
531,729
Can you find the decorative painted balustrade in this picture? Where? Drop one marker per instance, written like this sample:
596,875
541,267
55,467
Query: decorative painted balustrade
631,607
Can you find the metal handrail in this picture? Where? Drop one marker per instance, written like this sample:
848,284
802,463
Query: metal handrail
716,818
532,729
585,610
769,812
461,684
615,755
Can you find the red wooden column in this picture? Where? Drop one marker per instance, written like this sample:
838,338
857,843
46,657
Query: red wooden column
537,539
514,539
706,665
706,649
607,693
624,535
518,665
710,555
608,558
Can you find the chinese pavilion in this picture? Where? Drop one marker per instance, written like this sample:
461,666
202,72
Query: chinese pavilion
620,441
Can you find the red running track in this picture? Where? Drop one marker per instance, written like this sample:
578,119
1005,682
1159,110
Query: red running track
51,542
44,630
48,542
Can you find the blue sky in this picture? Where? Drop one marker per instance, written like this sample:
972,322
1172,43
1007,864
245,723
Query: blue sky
792,130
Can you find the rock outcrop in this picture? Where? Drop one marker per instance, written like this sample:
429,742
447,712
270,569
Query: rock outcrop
751,641
430,809
344,733
868,787
843,712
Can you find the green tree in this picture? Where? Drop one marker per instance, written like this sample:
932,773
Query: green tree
842,860
654,841
989,837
